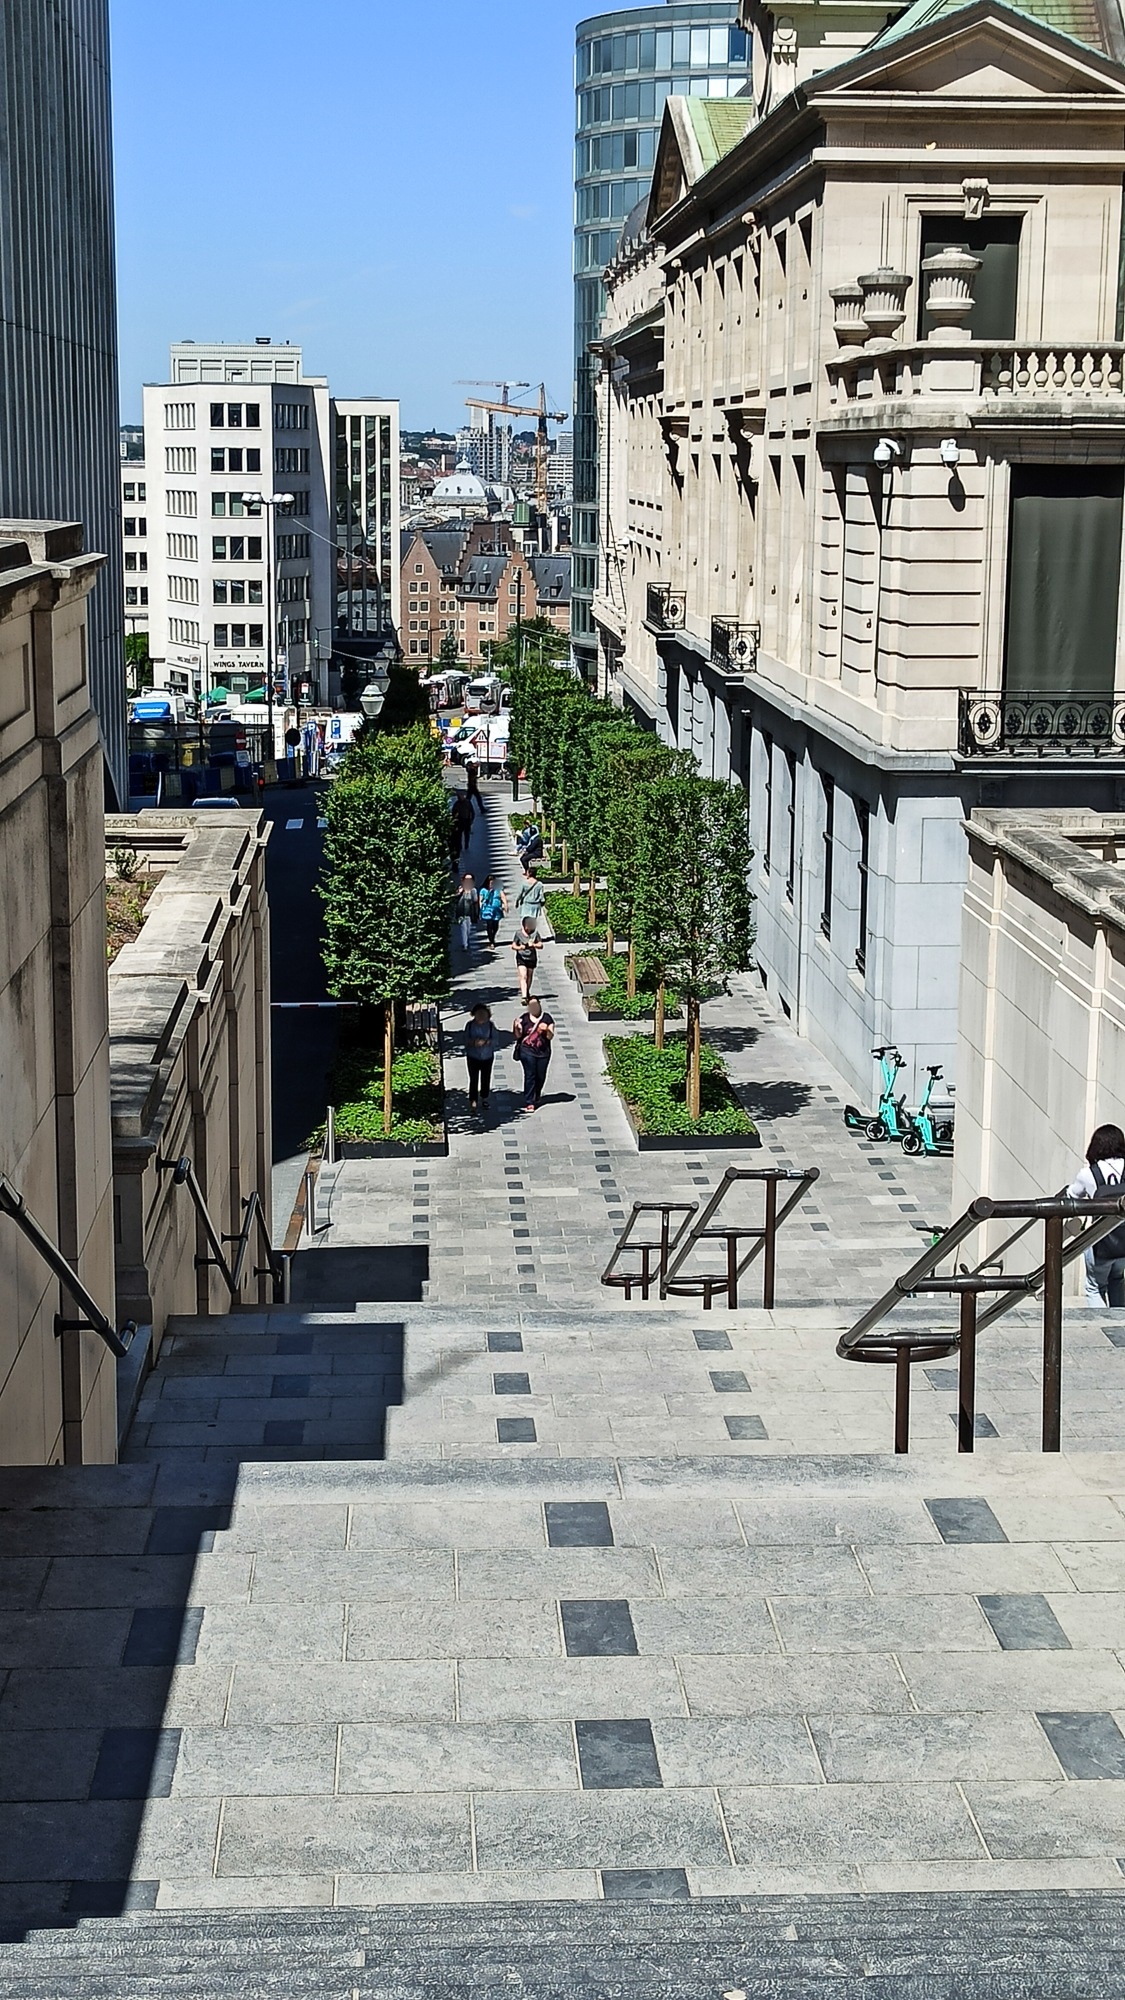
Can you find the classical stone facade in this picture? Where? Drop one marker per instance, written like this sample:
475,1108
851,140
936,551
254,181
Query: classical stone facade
862,432
1041,1040
189,1028
57,1394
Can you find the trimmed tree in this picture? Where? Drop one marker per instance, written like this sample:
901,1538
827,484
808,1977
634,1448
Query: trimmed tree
691,901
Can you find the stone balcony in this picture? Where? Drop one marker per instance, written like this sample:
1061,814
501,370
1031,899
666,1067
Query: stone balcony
989,383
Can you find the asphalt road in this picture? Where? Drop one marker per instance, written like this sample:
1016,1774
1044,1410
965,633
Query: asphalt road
304,1041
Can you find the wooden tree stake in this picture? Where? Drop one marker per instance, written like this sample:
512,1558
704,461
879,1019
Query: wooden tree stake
388,1061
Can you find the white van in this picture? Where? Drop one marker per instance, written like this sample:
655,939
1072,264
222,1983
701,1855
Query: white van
482,697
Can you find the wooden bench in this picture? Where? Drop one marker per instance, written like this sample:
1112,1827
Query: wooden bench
589,972
422,1027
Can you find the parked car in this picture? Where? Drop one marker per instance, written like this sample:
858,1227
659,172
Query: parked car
223,800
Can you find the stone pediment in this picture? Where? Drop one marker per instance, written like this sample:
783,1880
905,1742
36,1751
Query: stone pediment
983,50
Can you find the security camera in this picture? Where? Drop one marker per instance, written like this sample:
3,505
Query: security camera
886,451
950,451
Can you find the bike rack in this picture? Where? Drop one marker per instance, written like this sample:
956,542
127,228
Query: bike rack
663,1258
905,1348
663,1246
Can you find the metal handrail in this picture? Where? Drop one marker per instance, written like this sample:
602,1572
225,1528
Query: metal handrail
1097,1216
12,1203
764,1241
277,1264
663,1246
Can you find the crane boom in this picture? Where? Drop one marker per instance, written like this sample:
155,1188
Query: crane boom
539,411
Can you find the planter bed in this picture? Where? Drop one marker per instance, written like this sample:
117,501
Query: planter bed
567,916
356,1092
655,1106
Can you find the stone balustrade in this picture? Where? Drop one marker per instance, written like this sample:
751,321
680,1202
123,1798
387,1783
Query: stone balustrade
987,370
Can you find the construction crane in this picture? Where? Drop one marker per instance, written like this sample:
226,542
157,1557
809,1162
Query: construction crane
539,411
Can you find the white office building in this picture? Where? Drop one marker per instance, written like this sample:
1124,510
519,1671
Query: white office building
134,537
244,587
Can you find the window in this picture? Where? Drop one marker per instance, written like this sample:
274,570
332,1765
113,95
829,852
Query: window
1064,561
234,423
291,417
218,504
419,568
183,589
231,416
253,548
253,592
237,636
828,788
995,239
183,548
256,635
221,636
179,500
219,592
179,416
130,559
235,460
237,591
291,458
130,596
863,822
218,548
184,631
144,594
179,458
129,525
218,419
767,845
129,492
141,491
791,808
237,547
290,546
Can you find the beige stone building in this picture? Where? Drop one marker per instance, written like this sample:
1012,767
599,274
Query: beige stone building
57,1391
863,437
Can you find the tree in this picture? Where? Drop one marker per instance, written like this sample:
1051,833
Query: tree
449,654
624,767
138,666
691,910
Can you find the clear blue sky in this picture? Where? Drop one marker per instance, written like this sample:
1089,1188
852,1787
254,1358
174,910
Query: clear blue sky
389,184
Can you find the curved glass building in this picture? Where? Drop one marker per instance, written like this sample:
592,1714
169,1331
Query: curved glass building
627,63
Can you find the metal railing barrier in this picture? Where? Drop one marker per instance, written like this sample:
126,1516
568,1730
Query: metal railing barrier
94,1321
1088,1221
665,1259
276,1266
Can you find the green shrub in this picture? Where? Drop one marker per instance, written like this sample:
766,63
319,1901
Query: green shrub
356,1092
613,997
569,916
652,1082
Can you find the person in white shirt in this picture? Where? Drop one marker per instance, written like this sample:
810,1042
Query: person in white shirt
1104,1172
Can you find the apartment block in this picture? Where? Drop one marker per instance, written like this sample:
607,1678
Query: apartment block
473,580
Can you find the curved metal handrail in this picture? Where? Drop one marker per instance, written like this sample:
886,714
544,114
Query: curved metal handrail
12,1203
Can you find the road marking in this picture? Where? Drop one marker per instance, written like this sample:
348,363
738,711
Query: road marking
294,825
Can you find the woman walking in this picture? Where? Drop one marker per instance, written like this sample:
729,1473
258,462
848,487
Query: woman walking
526,946
534,1032
493,906
467,910
532,897
480,1053
1104,1173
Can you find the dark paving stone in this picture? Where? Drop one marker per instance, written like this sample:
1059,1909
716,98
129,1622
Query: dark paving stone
163,1636
729,1382
645,1885
294,1343
505,1343
965,1521
290,1385
185,1531
110,1899
511,1385
745,1430
1115,1335
515,1430
710,1341
136,1764
340,1276
1025,1623
617,1756
983,1427
284,1430
822,1228
942,1378
598,1628
578,1524
1087,1745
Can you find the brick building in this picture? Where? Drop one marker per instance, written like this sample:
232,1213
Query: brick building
473,580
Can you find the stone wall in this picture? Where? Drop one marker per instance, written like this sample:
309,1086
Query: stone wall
1041,1056
57,1396
189,1059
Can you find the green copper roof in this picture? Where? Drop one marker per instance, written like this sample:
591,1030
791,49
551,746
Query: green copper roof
1087,21
719,123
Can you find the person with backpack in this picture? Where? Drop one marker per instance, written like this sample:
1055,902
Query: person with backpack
1104,1173
526,944
493,906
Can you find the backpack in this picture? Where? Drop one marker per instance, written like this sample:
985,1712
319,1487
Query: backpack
1112,1246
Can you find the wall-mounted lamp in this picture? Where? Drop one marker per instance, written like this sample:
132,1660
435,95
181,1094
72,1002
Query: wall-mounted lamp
950,451
886,451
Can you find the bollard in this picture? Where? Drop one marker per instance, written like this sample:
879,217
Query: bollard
310,1202
330,1137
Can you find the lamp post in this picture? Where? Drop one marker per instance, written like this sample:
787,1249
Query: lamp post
375,693
271,502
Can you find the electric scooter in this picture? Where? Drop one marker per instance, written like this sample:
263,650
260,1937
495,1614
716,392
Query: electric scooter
890,1121
930,1128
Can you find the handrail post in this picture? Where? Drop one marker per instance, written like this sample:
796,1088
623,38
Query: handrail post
769,1252
310,1202
1052,1332
902,1400
967,1374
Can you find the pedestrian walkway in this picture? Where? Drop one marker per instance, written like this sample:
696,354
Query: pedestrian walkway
529,1207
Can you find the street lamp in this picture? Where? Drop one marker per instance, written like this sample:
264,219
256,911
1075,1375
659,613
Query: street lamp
271,502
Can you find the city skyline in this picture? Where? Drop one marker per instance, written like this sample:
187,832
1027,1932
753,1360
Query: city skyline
373,305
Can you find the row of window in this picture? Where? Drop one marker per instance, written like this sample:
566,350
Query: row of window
607,198
594,250
660,48
134,524
235,459
828,839
183,589
135,595
292,589
616,153
624,102
133,491
236,548
235,505
184,631
290,546
236,590
236,416
136,559
234,637
291,458
183,501
291,416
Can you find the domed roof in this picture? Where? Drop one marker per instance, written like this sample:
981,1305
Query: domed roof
635,224
460,485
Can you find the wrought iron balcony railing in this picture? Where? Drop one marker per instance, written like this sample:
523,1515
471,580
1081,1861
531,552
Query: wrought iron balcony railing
734,645
665,609
1041,725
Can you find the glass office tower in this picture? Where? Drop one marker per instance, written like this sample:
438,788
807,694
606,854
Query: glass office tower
627,63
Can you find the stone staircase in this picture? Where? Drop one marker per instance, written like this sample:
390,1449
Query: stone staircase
689,1688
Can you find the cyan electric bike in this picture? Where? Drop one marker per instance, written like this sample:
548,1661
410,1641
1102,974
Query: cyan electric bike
891,1119
930,1128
